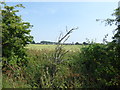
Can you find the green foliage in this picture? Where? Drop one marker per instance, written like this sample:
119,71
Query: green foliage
12,83
99,66
15,36
116,21
109,63
42,72
39,72
95,66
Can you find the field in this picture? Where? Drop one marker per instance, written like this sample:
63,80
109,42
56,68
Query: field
52,47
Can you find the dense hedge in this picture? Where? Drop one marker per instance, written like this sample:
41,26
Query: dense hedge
99,65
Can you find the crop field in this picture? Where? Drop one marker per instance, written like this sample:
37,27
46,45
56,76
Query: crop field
52,47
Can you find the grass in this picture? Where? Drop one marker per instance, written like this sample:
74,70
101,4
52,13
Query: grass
0,79
39,71
84,69
0,73
43,71
52,47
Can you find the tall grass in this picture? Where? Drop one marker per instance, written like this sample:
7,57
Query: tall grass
47,72
42,72
94,66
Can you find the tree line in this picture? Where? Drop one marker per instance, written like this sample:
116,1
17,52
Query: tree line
55,43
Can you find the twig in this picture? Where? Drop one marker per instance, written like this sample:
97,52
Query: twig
70,31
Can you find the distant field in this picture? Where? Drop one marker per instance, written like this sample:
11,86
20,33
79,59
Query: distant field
51,47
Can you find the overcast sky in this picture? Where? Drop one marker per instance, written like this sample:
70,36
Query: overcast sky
51,18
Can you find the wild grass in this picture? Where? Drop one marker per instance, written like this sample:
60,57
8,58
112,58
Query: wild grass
52,47
46,73
78,69
43,72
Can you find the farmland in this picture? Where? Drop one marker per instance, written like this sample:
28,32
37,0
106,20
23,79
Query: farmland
52,47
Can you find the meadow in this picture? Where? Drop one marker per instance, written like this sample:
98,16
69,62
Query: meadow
52,47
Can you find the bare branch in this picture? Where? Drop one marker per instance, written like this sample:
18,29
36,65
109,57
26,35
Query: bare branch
70,31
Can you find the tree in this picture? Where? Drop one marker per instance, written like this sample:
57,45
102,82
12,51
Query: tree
85,43
113,50
116,21
15,36
77,43
33,42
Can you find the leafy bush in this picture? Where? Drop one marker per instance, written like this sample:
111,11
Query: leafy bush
99,66
15,36
42,72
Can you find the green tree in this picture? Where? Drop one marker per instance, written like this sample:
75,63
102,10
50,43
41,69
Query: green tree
116,21
115,44
100,64
33,42
15,36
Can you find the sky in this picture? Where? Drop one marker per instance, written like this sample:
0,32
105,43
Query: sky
49,19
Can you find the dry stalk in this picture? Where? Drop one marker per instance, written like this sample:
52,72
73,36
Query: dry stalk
57,58
59,52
